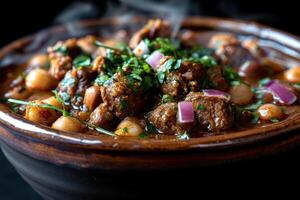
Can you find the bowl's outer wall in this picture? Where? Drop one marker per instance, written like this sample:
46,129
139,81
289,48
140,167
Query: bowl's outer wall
58,172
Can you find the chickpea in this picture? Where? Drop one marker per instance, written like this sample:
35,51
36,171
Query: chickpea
39,79
241,94
129,127
40,115
39,61
53,101
293,75
267,112
68,124
92,97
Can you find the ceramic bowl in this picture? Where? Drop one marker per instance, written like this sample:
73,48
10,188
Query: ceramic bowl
61,165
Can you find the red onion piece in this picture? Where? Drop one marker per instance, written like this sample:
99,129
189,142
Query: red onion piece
185,112
216,93
281,93
141,49
154,59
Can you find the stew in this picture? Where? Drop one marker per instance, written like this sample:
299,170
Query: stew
193,85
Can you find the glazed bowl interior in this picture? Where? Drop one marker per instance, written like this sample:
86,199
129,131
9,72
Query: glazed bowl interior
20,50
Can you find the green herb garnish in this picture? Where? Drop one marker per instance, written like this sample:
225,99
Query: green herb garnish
167,98
164,45
47,106
254,117
100,44
149,129
102,130
61,48
82,61
232,76
208,61
200,107
144,135
264,82
102,79
255,105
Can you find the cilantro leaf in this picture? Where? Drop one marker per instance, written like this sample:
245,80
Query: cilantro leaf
82,61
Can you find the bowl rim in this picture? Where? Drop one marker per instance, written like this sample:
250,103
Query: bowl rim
36,132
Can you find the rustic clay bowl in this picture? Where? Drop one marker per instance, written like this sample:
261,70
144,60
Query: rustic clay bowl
62,165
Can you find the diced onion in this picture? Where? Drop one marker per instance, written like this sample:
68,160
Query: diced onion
216,93
281,93
154,59
141,49
185,112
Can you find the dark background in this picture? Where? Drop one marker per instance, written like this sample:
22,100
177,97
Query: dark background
20,18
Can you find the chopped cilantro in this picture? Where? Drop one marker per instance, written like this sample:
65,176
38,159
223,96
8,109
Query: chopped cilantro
82,61
164,45
297,86
161,76
263,82
68,80
254,106
254,117
61,48
101,79
200,107
167,98
144,135
232,76
169,65
208,61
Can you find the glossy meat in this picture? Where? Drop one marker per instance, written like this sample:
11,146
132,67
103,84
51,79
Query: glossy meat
164,118
154,28
213,113
122,98
180,82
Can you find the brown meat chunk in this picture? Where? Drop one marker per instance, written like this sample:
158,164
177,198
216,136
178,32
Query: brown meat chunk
72,88
215,113
102,116
216,78
164,118
123,98
153,29
174,85
60,61
59,66
229,50
180,82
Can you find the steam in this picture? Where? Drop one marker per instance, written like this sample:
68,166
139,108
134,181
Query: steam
126,10
174,10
